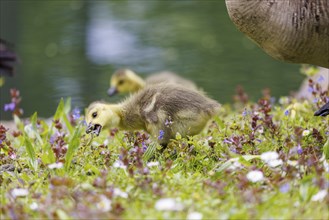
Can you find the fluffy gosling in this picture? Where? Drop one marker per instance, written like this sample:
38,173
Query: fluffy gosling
127,81
161,110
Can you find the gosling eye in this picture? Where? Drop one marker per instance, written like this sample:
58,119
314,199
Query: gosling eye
94,115
121,81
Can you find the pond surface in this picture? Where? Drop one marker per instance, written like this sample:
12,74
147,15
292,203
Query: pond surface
71,48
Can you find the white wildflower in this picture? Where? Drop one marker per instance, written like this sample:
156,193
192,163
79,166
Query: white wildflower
34,206
275,163
255,176
271,158
268,156
19,192
306,133
119,192
168,204
13,156
119,164
55,165
319,196
152,164
106,142
104,204
293,163
235,166
194,216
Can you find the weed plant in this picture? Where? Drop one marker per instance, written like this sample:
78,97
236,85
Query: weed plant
257,160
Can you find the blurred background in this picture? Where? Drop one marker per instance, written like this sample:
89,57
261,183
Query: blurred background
71,48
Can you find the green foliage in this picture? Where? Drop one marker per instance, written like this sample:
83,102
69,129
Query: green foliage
326,149
30,151
255,162
73,146
309,70
60,110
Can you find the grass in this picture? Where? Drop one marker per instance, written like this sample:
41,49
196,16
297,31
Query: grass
52,171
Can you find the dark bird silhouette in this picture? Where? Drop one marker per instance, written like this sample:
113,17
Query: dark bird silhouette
7,59
323,111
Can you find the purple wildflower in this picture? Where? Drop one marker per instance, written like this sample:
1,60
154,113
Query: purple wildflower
315,100
144,146
76,114
299,149
168,122
233,149
285,188
320,79
10,106
227,141
310,89
52,139
286,112
259,140
161,134
244,113
133,150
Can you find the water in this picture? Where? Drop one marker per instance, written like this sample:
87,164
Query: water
71,48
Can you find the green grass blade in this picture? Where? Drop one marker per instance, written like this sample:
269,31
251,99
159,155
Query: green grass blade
326,149
31,153
19,124
34,119
48,155
73,146
67,123
67,106
60,110
231,161
66,111
34,130
150,151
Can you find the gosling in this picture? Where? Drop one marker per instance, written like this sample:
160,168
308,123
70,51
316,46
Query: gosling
127,81
161,110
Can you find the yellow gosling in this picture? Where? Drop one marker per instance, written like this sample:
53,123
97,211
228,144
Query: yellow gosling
127,81
161,110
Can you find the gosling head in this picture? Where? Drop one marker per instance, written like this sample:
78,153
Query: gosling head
100,115
125,81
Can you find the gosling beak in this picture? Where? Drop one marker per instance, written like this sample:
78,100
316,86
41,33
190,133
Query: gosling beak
94,129
112,91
